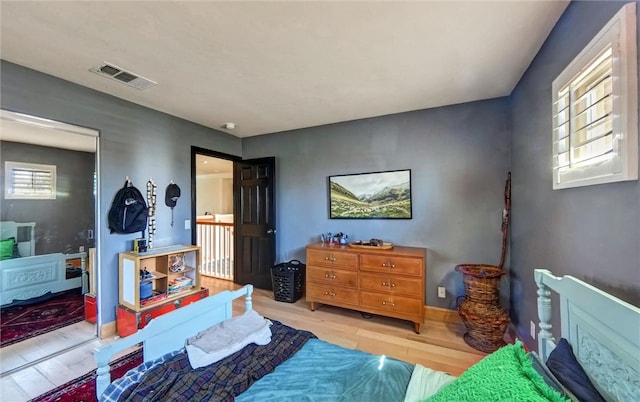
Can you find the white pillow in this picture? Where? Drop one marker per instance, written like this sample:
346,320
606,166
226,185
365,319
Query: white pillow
225,338
425,382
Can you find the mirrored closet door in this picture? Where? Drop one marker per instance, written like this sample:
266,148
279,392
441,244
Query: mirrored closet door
48,213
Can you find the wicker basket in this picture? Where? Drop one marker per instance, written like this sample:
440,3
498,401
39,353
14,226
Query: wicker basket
480,310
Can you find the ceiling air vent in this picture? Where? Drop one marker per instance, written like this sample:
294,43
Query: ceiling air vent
127,77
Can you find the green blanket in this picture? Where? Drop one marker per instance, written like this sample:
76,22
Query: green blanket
504,375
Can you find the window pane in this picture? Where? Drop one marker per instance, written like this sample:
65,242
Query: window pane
562,145
561,160
593,75
563,100
593,131
561,117
561,132
593,114
594,95
593,149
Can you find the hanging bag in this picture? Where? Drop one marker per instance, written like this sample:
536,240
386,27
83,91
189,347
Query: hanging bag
129,211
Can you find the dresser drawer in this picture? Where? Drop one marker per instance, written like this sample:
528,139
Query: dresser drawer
394,284
392,264
332,259
394,303
338,277
332,294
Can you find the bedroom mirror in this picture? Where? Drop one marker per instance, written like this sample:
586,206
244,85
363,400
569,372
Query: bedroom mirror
49,189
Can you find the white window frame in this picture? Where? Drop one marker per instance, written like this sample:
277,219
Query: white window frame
9,188
622,163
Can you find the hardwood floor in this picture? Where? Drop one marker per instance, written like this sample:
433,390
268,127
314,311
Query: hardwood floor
78,340
438,346
39,347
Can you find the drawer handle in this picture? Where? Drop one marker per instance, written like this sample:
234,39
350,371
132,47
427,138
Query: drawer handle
329,275
388,265
386,303
178,303
329,293
384,284
390,284
393,285
329,258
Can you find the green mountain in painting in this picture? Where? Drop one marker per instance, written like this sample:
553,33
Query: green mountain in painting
390,202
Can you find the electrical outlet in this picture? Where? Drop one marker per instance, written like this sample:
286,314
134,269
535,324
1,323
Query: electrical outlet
442,292
533,330
81,249
187,224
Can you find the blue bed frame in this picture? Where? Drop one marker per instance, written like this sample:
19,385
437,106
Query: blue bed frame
170,331
603,331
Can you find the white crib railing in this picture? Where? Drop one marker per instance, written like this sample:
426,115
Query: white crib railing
216,248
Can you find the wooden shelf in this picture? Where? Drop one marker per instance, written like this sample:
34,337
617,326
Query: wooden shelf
156,275
157,262
188,269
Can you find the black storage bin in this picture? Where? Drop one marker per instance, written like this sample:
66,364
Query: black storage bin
288,281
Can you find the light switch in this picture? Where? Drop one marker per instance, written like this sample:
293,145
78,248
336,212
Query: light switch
187,224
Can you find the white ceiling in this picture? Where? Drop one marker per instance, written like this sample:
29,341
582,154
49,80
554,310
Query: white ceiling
17,127
276,66
211,166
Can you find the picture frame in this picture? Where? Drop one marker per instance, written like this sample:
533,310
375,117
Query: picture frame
374,195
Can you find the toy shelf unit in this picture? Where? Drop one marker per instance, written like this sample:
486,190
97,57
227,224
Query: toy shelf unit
158,275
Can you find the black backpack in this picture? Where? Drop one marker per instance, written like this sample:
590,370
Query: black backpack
129,211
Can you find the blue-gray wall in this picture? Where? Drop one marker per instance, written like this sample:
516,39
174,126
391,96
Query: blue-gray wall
62,224
134,141
591,232
459,159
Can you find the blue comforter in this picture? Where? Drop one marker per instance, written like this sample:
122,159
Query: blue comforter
325,372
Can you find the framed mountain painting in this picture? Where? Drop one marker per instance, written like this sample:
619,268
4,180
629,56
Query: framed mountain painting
377,195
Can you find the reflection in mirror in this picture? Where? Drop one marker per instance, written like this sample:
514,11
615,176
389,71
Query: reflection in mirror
47,238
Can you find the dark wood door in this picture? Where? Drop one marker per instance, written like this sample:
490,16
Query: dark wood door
254,205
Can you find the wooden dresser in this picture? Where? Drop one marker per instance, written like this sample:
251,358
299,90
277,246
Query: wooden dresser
384,282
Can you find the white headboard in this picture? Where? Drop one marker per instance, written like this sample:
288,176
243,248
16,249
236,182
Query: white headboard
26,247
603,331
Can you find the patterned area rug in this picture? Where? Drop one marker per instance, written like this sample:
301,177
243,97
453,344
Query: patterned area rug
18,323
83,389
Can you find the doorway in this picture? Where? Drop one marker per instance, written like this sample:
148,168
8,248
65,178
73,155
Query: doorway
214,227
49,207
246,237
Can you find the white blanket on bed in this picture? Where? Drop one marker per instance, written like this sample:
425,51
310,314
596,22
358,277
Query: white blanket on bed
221,340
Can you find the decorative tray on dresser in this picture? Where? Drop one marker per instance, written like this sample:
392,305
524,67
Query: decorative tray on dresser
369,246
377,280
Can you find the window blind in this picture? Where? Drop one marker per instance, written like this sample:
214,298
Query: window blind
583,129
595,109
26,181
